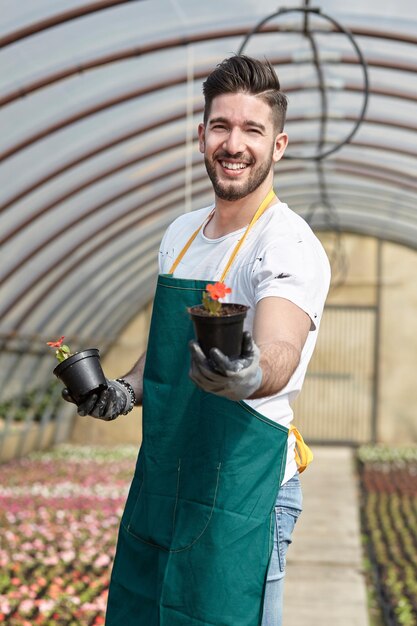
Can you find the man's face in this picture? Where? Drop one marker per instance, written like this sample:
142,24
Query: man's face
239,144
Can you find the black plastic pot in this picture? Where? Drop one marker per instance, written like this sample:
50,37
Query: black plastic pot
81,373
222,331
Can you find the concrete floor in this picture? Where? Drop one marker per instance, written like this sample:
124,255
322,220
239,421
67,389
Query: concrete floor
325,584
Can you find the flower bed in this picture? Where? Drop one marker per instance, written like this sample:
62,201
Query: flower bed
59,514
389,518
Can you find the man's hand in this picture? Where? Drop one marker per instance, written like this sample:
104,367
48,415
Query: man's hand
235,379
106,404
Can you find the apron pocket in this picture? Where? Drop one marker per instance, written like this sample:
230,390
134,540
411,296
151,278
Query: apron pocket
174,514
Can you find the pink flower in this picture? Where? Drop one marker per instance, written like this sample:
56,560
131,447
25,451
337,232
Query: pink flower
102,561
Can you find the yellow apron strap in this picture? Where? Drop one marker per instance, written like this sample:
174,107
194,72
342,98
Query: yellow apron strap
303,454
257,215
188,244
255,218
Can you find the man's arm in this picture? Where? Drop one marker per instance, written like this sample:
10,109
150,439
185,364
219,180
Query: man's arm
135,378
116,399
280,331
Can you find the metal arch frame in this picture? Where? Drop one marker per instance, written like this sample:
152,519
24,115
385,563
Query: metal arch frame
356,226
87,112
68,270
59,18
127,315
352,144
93,180
79,260
137,93
125,287
143,50
128,260
45,179
136,208
147,181
74,163
117,169
365,174
81,158
307,11
300,200
91,211
403,204
128,163
126,270
342,166
118,322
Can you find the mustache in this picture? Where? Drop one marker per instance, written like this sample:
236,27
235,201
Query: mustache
237,156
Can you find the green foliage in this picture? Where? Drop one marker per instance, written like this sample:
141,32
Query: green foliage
389,524
387,454
213,306
63,353
34,402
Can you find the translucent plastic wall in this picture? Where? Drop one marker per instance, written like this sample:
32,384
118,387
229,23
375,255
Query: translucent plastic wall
99,105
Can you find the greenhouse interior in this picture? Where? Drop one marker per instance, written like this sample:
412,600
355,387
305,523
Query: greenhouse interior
100,104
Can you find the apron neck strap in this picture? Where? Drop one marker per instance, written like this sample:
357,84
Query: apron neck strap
261,209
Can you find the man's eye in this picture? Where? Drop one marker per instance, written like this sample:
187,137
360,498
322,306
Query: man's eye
255,130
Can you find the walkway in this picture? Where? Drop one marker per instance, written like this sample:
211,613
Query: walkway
325,585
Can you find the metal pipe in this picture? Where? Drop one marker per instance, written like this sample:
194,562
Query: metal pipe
58,18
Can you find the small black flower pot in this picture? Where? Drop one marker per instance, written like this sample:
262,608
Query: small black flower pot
222,331
81,373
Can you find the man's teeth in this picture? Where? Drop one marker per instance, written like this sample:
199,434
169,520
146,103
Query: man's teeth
233,166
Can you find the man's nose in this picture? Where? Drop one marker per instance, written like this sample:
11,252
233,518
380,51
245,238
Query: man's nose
234,142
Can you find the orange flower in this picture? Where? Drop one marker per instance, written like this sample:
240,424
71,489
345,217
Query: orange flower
62,351
218,290
56,344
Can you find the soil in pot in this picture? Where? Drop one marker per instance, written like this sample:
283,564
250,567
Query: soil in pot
81,373
223,331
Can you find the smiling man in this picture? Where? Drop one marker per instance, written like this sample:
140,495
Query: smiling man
238,149
216,492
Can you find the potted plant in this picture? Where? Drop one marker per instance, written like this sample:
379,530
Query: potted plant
218,324
80,372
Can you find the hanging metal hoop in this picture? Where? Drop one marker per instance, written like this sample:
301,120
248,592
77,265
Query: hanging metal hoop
342,29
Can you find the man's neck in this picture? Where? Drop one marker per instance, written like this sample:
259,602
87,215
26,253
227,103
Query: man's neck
230,216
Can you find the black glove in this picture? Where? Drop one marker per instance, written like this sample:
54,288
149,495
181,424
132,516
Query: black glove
235,379
105,404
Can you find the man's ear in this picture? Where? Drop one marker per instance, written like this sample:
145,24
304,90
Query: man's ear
201,137
281,142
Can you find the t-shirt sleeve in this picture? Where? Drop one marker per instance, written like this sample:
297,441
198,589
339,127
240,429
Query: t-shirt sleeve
161,254
166,255
297,270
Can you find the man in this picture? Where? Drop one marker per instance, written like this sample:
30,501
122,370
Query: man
216,492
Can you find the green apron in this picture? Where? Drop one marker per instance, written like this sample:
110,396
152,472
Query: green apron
197,532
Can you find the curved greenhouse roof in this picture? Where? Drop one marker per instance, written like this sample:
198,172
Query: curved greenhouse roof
100,103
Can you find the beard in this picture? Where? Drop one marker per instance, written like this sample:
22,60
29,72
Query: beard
231,191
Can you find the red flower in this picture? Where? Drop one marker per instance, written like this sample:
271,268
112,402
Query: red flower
56,344
218,290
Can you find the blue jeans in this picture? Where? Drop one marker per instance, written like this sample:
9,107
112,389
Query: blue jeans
288,507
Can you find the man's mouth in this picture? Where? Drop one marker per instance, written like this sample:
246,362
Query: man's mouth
233,166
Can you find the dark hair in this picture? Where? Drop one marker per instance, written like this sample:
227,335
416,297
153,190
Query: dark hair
242,74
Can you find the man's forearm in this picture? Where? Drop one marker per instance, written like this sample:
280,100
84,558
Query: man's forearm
278,362
135,378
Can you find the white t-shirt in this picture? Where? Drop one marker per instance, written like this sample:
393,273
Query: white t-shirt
280,257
